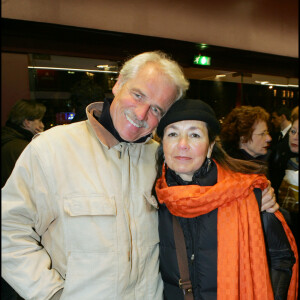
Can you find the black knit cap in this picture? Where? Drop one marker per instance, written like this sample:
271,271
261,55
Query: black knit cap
189,109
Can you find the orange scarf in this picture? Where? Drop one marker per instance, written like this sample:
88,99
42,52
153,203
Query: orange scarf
242,262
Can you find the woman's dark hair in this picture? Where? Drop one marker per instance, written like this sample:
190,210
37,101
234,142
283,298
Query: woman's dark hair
26,109
221,157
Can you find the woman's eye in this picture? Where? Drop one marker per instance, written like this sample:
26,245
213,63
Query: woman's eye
195,135
172,134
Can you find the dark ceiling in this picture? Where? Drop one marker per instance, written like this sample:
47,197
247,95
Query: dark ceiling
20,36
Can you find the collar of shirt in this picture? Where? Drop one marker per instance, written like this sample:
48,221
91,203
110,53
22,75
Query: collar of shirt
285,130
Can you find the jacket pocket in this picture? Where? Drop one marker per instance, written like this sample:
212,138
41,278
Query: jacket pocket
90,223
91,276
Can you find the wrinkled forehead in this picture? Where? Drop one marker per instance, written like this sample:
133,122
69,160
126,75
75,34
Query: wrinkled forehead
155,85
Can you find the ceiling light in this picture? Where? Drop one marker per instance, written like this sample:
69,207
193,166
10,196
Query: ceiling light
102,66
283,85
90,74
261,82
72,69
107,67
276,84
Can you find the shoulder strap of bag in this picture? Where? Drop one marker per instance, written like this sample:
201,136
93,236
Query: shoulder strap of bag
184,281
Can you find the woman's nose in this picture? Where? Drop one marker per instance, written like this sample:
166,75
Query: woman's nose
183,143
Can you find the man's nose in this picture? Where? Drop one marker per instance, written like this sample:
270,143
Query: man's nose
141,111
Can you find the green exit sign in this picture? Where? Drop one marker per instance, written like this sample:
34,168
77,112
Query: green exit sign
202,60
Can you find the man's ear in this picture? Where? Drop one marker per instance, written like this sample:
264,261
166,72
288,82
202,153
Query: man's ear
117,86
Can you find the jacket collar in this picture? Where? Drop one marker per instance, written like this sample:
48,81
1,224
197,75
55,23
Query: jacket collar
95,109
202,177
26,134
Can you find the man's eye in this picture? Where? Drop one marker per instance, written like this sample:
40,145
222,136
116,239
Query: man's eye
156,111
195,135
137,96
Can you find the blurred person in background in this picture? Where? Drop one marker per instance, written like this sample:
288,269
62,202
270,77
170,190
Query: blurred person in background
281,152
245,135
24,121
288,193
281,121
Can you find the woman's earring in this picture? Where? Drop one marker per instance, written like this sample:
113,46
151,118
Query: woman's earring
163,161
208,164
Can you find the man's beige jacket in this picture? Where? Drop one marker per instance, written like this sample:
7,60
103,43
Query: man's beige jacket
77,214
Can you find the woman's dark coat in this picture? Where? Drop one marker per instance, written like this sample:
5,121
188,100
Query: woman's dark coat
201,242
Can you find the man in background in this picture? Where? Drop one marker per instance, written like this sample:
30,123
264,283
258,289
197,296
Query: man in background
281,121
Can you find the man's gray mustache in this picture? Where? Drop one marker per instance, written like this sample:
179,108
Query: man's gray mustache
132,116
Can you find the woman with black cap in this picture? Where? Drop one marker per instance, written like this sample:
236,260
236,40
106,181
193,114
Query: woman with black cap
212,243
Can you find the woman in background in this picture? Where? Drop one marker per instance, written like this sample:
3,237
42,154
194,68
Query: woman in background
288,193
24,121
245,134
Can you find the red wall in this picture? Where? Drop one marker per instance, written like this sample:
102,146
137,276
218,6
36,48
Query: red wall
267,26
